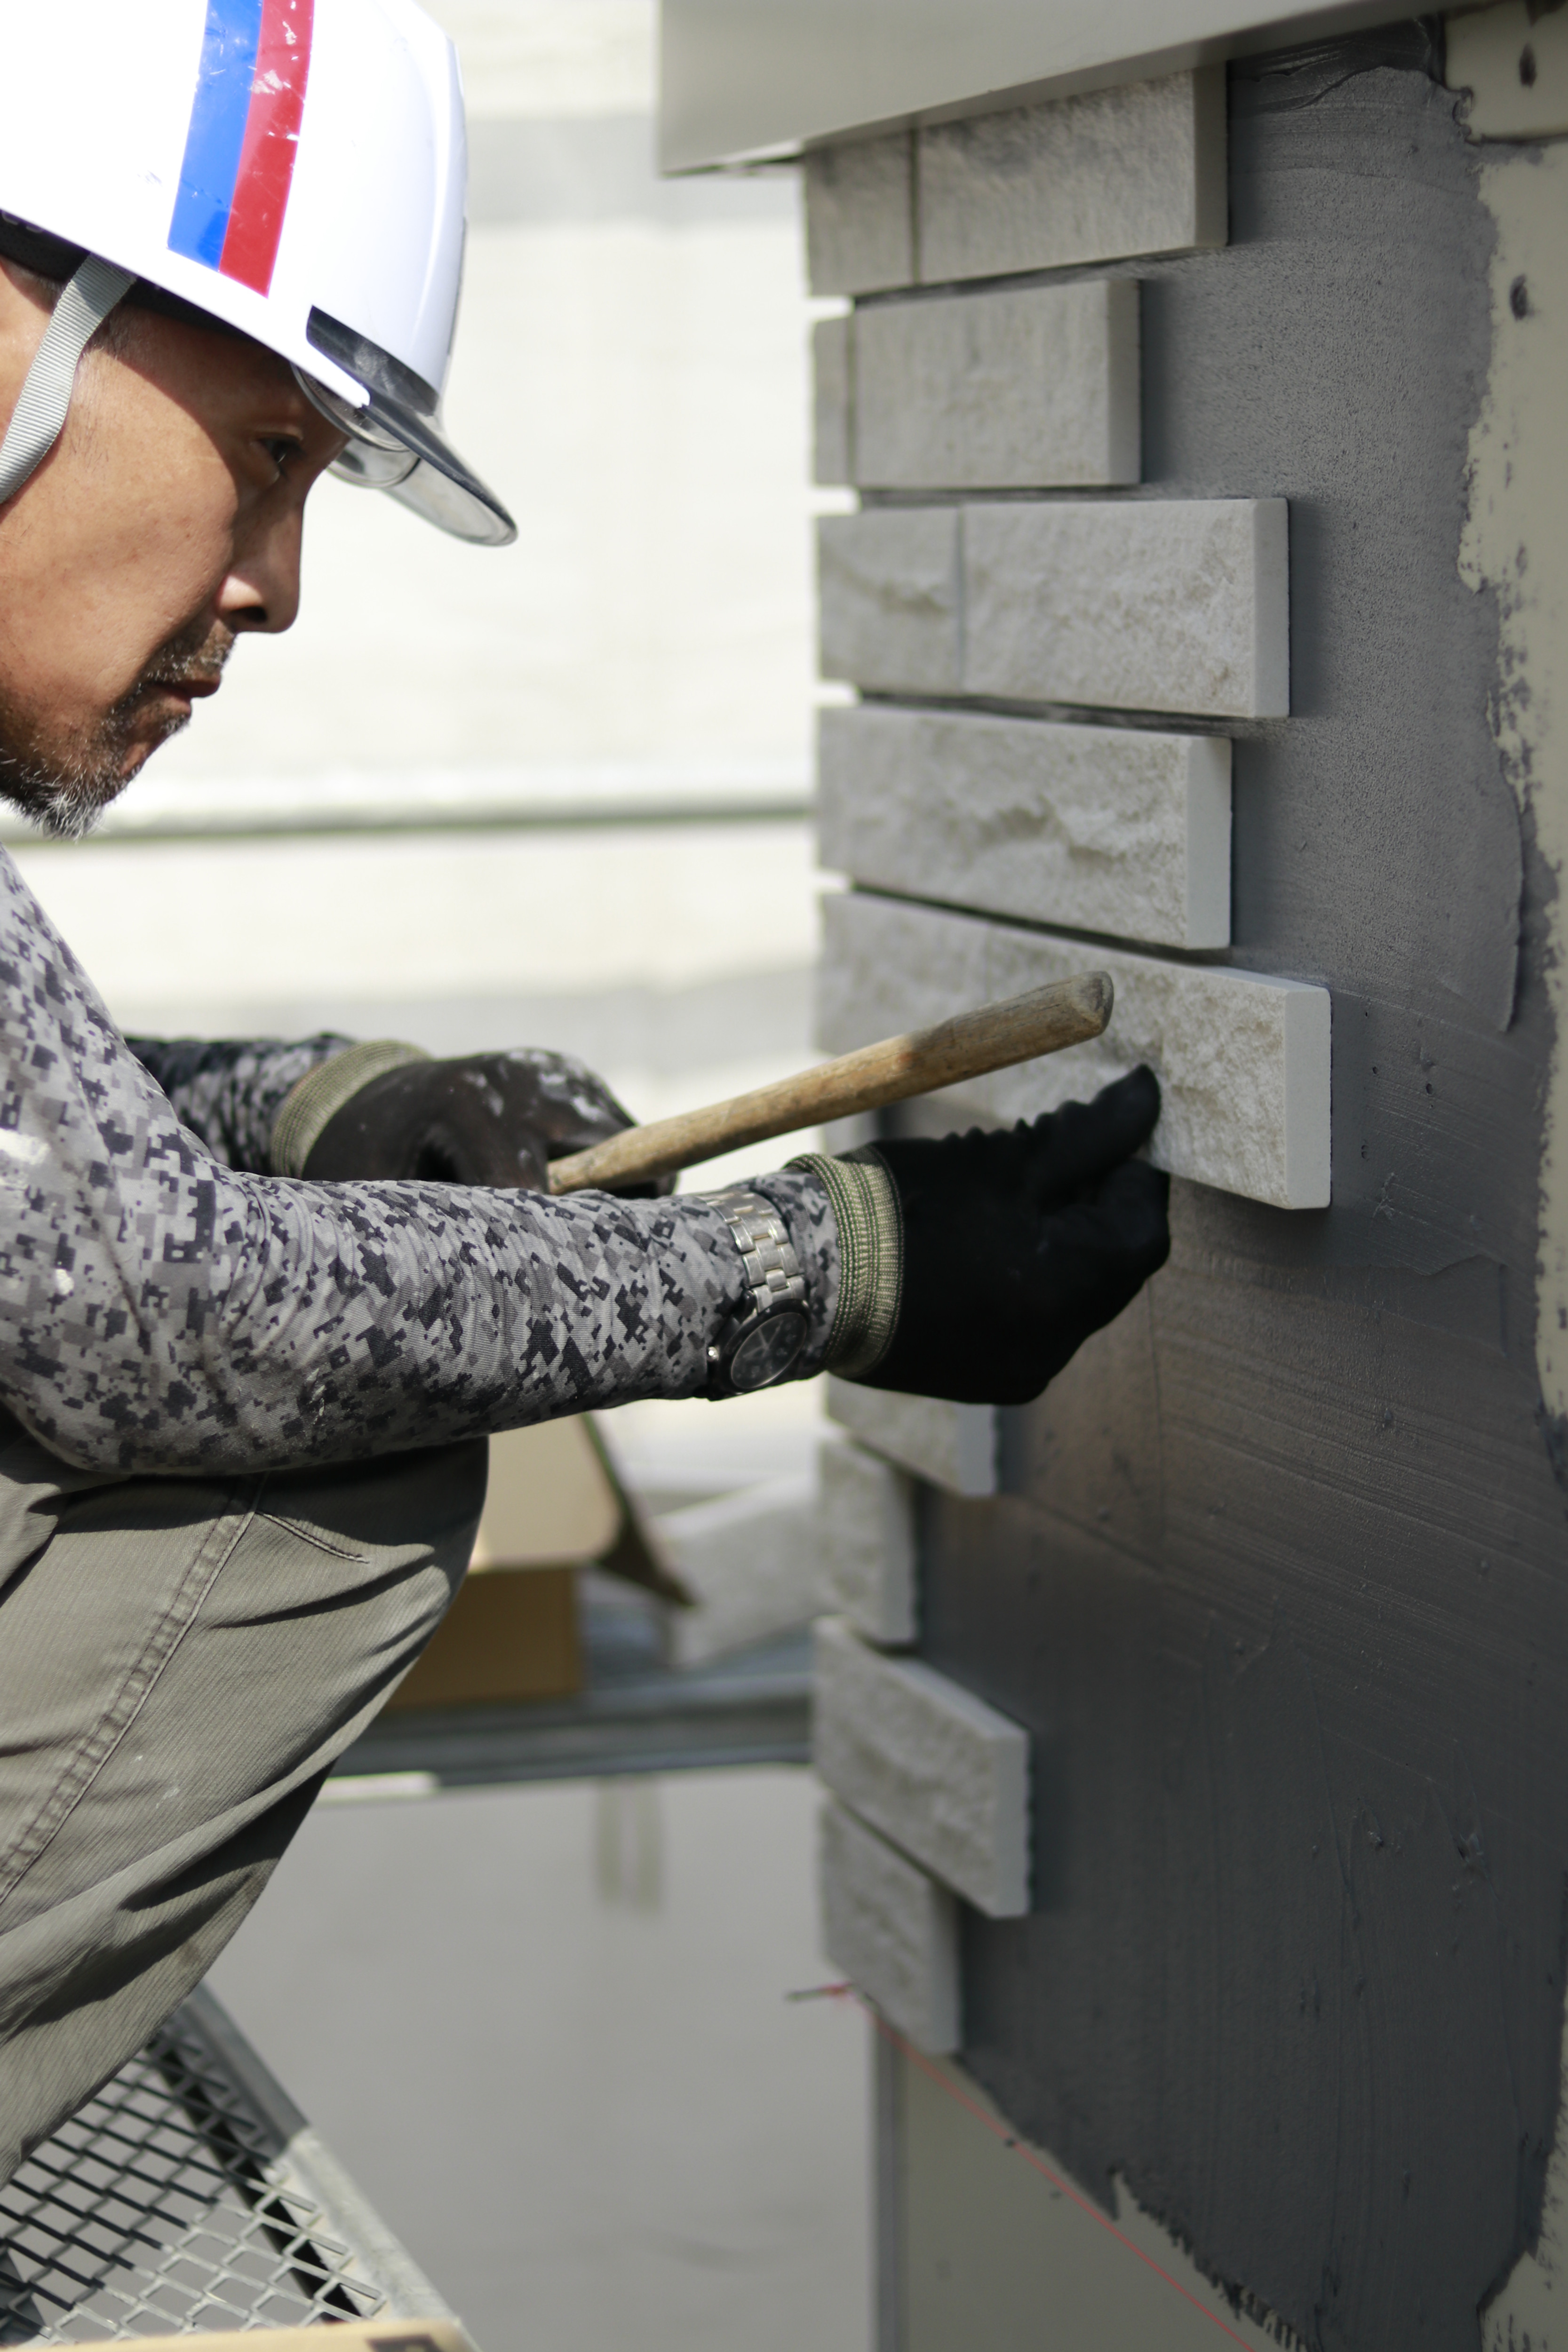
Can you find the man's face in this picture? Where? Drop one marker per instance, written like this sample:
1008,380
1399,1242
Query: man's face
166,521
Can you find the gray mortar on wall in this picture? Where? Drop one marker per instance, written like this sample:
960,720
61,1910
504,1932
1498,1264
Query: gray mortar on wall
1279,1581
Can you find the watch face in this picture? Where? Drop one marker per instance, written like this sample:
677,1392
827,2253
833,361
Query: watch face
765,1354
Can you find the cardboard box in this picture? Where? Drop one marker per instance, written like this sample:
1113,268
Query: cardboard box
512,1633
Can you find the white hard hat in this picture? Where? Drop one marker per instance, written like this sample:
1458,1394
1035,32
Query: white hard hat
292,169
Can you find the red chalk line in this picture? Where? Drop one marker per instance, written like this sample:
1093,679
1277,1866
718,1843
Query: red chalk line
999,2131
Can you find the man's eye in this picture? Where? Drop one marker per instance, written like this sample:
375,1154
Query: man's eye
281,448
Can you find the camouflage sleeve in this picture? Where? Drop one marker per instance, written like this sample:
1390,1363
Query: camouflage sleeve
228,1091
162,1311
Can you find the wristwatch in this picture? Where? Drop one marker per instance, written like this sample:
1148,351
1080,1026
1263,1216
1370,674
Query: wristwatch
761,1340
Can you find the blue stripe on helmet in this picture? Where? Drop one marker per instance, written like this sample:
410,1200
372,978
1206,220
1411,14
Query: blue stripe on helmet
216,134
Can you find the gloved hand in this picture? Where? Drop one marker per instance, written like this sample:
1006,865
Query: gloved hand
1011,1248
487,1118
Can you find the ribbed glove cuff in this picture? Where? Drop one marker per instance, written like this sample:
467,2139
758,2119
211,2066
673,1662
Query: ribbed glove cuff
321,1094
870,1256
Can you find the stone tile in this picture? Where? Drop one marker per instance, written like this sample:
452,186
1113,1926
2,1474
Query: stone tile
936,1770
859,215
1178,604
889,601
752,1563
831,418
1175,605
1242,1056
891,1930
1102,828
1032,387
866,1535
1138,168
953,1445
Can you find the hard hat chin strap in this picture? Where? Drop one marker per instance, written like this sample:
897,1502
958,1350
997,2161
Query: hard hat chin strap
45,396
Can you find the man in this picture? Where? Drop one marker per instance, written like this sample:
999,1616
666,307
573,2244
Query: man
243,1401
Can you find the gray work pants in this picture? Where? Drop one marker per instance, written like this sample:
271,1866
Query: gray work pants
181,1660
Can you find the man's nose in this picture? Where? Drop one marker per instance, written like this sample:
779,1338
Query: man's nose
261,592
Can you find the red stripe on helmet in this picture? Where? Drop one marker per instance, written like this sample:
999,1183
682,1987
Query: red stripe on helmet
271,142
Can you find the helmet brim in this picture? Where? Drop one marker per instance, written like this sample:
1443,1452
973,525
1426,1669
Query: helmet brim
441,488
402,409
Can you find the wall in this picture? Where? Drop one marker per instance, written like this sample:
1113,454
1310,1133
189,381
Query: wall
1275,1577
745,75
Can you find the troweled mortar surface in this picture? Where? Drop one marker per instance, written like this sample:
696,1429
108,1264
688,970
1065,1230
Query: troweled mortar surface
1278,1583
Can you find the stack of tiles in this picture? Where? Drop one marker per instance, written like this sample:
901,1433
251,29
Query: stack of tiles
930,1785
1049,657
929,1803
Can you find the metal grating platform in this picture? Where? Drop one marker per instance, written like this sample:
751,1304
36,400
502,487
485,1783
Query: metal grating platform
192,2195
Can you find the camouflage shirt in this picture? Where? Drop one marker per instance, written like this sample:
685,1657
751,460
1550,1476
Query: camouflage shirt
166,1305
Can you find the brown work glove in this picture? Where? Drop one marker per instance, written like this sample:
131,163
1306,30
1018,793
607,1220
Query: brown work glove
487,1118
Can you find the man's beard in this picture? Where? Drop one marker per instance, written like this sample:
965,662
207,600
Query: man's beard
67,791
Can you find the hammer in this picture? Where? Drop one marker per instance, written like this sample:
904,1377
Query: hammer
992,1037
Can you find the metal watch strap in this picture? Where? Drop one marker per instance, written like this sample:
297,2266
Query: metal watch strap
772,1270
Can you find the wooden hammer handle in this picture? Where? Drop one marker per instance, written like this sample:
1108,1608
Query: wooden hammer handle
992,1037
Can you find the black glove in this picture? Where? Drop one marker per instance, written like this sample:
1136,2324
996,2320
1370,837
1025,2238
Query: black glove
488,1119
1016,1246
